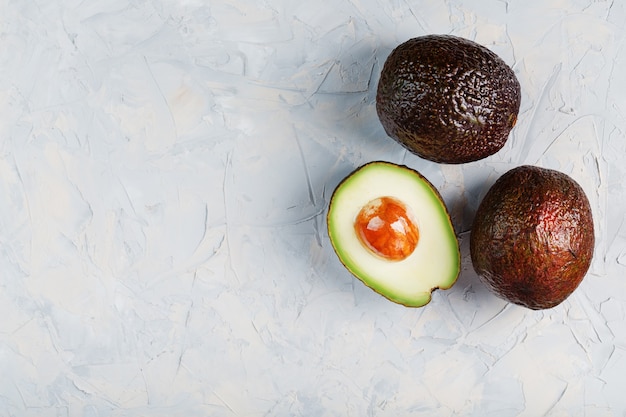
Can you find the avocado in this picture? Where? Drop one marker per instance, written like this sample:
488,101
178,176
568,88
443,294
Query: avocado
391,229
447,99
532,238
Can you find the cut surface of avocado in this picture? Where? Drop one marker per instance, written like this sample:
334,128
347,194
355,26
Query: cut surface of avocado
418,251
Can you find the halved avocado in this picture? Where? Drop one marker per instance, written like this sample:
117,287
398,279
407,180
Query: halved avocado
391,229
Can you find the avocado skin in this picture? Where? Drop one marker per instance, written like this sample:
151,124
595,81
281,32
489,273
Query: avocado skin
532,239
447,99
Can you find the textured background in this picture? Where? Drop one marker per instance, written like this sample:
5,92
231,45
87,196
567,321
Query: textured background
165,171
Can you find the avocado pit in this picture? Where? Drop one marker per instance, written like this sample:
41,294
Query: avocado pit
387,227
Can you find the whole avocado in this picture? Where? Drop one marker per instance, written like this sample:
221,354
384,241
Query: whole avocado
532,239
447,99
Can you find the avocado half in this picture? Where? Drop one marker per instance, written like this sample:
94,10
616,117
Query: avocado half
532,239
413,249
447,99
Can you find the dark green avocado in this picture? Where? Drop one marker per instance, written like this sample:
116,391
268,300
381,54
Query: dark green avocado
447,99
532,239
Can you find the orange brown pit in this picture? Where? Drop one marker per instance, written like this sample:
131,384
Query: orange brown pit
387,228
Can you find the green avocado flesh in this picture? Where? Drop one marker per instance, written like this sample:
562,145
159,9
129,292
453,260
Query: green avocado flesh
435,261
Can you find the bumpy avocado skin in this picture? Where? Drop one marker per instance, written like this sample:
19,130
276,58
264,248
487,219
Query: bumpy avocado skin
447,99
532,240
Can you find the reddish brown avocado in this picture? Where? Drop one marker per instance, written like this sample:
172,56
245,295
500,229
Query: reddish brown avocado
532,240
447,99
